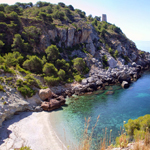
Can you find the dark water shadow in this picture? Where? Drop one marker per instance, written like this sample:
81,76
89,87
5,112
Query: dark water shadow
4,131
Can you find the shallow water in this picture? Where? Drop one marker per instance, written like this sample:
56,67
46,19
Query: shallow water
113,110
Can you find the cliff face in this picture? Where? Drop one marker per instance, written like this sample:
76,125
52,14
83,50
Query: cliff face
70,37
96,46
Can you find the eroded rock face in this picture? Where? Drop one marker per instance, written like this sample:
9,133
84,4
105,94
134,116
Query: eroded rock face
45,93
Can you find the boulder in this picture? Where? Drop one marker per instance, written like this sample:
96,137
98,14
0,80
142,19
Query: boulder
134,64
45,106
45,93
112,62
54,104
84,81
90,79
125,84
99,82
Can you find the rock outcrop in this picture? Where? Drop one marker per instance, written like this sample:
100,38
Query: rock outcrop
45,93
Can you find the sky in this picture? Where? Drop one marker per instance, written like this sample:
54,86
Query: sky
132,16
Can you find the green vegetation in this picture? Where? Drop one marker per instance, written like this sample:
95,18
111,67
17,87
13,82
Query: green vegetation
33,64
78,78
52,53
2,88
138,129
136,126
24,89
79,65
52,80
49,69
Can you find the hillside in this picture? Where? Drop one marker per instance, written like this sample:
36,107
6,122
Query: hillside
46,45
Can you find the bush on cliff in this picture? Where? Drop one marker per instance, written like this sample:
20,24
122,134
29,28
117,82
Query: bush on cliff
52,53
52,81
61,74
79,64
33,64
12,59
49,69
24,89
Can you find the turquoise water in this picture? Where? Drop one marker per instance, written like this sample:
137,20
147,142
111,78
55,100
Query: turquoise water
113,110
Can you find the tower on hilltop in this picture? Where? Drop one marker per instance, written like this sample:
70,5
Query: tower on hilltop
104,17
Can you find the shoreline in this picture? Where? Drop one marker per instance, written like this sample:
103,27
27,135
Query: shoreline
30,129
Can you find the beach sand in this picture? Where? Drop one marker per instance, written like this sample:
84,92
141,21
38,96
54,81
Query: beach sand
29,129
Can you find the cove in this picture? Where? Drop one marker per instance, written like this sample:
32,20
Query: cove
114,109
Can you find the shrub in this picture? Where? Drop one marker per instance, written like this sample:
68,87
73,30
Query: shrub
62,64
78,78
71,7
94,23
2,79
104,58
52,53
3,27
1,60
142,123
45,16
1,44
18,43
110,51
33,64
7,69
13,15
49,69
81,13
25,90
61,74
12,59
59,15
10,8
52,80
90,17
2,16
21,69
33,33
79,64
49,9
31,81
2,88
116,54
61,4
1,7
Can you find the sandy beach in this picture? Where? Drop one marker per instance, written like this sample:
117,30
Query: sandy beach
29,129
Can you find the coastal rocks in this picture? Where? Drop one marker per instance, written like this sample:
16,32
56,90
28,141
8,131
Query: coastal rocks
45,93
124,77
125,84
112,62
53,104
84,82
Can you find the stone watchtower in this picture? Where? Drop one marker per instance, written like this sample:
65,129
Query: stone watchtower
104,17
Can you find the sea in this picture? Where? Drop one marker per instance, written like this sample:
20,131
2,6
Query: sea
104,114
